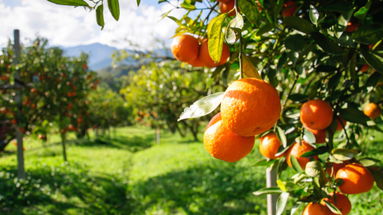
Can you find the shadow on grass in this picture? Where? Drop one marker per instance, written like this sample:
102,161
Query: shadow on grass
62,190
131,143
200,190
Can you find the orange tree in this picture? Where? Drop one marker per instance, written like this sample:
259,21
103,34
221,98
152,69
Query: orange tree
325,60
53,89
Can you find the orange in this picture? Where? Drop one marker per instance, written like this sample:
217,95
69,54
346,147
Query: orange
352,26
320,135
289,8
269,145
333,168
296,151
185,48
226,7
340,124
316,114
205,58
224,144
250,106
371,110
213,120
340,201
356,179
364,68
316,209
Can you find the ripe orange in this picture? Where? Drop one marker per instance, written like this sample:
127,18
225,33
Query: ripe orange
205,58
289,8
320,135
340,201
224,144
250,106
316,114
214,119
352,26
296,151
316,209
269,145
185,48
371,110
364,68
227,6
340,124
356,179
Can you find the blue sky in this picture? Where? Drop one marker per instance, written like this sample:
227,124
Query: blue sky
138,27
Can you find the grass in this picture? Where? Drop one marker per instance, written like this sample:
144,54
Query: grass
128,173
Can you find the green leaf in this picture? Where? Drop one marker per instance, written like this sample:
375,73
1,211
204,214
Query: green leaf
354,115
100,16
295,164
309,137
362,12
366,162
299,24
314,15
377,172
70,2
203,106
114,8
138,2
314,152
332,207
282,202
267,190
344,154
282,185
368,34
297,97
313,168
216,37
237,23
296,42
327,44
372,59
282,136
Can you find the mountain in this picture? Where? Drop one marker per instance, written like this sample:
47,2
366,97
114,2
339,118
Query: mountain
100,55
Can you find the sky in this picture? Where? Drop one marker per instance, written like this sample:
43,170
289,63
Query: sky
138,27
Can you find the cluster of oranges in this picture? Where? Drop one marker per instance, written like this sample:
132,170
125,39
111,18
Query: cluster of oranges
195,51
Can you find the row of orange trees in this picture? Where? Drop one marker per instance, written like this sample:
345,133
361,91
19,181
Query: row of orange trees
53,91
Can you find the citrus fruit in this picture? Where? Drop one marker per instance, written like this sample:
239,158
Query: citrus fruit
250,106
227,7
316,114
352,26
297,150
364,68
340,201
332,168
371,110
185,48
356,179
340,124
316,209
289,8
205,58
269,145
224,144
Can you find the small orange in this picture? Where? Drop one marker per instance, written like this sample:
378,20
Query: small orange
320,135
205,58
269,145
185,48
214,119
289,8
296,151
340,124
227,7
316,114
316,209
371,110
340,201
364,68
352,26
250,106
356,179
224,144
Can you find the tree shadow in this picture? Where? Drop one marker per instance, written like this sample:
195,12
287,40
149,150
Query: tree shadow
201,190
58,190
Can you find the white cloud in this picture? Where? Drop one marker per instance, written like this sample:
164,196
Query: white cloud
70,26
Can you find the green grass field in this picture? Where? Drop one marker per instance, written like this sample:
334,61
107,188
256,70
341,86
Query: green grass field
128,173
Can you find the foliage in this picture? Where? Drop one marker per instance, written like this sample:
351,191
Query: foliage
159,92
49,88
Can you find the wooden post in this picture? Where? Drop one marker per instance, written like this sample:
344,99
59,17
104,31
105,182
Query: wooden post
19,134
63,143
271,181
